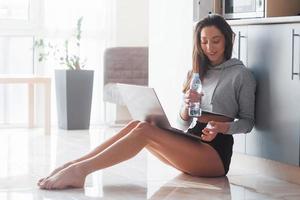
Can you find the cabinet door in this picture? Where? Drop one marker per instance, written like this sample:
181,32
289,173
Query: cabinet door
240,51
277,127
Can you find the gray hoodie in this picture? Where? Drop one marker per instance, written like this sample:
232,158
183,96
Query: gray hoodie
229,90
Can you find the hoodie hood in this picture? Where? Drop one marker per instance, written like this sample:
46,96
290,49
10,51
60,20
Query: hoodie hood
228,63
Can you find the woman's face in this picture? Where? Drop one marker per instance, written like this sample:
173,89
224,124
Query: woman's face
213,44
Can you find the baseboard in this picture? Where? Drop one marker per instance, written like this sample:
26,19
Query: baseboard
266,167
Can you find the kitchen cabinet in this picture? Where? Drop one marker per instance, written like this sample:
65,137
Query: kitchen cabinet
273,54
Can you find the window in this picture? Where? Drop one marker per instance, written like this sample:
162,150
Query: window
18,23
20,15
14,9
21,21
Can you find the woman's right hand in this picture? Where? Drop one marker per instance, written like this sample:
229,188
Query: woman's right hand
191,96
188,97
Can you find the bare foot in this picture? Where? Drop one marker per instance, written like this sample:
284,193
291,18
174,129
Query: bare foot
71,176
55,171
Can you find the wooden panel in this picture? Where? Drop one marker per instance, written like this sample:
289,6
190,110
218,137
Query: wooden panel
275,8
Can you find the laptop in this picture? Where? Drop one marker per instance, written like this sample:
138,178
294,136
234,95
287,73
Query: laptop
143,104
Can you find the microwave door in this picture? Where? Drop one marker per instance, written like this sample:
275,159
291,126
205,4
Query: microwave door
235,9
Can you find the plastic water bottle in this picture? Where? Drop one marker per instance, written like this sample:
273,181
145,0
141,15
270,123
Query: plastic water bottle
194,107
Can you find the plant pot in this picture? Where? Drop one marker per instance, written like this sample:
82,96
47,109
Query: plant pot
74,90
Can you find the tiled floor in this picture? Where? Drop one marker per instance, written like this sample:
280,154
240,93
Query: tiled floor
26,155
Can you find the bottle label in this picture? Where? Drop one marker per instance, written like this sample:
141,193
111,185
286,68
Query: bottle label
195,86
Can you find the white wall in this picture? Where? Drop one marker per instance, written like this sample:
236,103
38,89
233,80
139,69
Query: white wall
131,22
170,49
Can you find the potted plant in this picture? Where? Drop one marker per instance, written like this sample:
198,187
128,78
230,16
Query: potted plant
74,85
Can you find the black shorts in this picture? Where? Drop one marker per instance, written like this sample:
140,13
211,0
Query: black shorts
221,143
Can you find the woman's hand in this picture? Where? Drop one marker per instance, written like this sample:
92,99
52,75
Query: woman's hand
189,96
192,96
212,129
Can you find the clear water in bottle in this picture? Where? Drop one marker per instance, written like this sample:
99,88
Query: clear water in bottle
195,107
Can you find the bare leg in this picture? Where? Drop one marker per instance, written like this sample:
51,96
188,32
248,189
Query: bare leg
98,149
158,155
131,125
187,155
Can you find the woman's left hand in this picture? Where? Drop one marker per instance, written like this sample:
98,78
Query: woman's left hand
212,129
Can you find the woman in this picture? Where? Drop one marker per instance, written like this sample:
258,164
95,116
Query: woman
228,93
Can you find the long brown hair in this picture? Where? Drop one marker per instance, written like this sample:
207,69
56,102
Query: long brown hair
200,60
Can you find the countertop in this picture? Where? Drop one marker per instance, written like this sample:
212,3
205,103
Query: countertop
269,20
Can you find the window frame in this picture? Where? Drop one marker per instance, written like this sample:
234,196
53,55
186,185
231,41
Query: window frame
15,27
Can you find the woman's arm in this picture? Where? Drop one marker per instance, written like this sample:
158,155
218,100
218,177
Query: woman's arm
184,115
246,101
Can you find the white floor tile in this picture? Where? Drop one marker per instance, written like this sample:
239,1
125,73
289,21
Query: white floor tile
27,155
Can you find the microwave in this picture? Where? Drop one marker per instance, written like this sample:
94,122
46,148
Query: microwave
239,9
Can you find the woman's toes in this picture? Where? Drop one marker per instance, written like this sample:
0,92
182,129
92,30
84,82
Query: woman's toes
39,181
42,185
69,177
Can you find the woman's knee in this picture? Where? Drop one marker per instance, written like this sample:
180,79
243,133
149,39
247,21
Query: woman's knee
141,129
143,126
132,124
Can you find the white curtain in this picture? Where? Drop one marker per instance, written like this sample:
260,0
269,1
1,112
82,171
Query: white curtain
60,17
57,22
